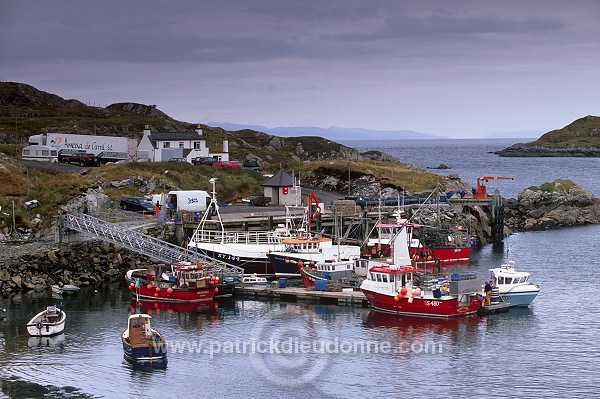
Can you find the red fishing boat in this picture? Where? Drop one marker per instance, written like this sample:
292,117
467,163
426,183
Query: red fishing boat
397,287
187,282
425,244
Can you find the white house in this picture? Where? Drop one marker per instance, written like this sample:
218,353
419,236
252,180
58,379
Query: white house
283,189
162,146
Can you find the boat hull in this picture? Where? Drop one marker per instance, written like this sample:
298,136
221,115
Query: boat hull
427,307
151,353
285,265
519,299
256,263
178,294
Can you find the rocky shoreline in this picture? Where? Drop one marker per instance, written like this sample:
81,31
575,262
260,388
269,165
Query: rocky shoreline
519,150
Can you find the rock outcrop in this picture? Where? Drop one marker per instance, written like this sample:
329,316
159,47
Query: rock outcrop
557,204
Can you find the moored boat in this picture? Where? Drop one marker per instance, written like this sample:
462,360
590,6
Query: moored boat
342,272
141,342
397,287
254,279
49,322
513,286
63,289
187,283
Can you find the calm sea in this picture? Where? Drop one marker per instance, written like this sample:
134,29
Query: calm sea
252,348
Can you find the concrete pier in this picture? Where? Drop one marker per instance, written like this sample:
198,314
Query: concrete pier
294,294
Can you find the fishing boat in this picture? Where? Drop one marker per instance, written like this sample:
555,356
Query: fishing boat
309,250
141,343
342,272
513,286
63,289
50,321
397,287
426,244
245,249
188,282
254,279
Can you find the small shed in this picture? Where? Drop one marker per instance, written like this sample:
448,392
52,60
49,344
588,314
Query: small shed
282,190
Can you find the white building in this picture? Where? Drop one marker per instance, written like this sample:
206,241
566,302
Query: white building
162,146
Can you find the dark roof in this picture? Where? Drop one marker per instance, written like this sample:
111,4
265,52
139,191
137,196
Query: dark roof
167,136
280,179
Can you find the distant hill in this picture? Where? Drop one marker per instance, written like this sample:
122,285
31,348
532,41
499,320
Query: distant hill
25,111
580,138
331,133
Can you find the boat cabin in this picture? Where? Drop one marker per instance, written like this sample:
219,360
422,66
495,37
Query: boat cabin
138,329
394,277
305,245
507,275
188,274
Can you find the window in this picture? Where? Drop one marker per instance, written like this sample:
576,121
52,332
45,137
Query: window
378,277
53,153
181,144
384,278
25,152
45,152
166,144
196,145
508,280
500,280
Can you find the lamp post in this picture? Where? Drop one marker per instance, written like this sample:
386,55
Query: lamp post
164,197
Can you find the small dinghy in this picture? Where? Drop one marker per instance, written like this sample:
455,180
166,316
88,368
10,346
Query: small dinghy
141,343
61,288
50,321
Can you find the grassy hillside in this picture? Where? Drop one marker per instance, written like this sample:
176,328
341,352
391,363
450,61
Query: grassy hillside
582,133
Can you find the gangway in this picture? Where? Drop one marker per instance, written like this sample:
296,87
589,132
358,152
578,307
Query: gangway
143,244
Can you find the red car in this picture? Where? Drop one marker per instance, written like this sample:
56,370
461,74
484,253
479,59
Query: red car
227,164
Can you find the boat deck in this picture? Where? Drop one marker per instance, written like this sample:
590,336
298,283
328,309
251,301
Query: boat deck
295,294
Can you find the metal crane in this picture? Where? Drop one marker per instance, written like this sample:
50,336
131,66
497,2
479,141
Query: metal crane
481,190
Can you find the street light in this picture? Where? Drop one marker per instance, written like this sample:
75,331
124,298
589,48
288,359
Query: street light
164,198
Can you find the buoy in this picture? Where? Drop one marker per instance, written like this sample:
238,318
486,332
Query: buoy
312,262
417,292
149,286
169,290
131,286
155,295
403,291
157,289
216,289
299,264
287,261
410,300
396,298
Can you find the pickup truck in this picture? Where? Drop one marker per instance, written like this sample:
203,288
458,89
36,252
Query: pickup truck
78,158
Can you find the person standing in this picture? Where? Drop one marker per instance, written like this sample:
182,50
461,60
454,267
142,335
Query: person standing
157,209
488,292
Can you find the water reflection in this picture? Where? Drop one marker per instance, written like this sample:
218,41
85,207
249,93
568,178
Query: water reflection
56,340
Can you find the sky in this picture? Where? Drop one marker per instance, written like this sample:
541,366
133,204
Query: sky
461,69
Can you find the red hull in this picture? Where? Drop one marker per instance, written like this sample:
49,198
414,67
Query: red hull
444,254
178,294
308,279
421,306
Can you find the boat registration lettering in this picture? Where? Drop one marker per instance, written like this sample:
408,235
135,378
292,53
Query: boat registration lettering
228,257
433,303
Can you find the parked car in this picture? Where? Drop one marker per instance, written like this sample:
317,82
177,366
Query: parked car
203,160
227,164
137,204
177,160
251,165
261,200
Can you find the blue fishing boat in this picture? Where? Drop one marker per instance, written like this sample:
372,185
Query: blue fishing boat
141,343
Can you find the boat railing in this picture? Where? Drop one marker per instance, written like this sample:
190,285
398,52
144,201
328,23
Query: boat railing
237,237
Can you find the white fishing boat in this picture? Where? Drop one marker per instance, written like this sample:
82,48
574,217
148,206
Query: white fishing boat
514,287
50,321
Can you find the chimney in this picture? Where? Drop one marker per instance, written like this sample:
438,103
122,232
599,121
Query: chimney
147,130
199,130
225,145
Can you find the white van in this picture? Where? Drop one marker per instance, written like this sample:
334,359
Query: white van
191,201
